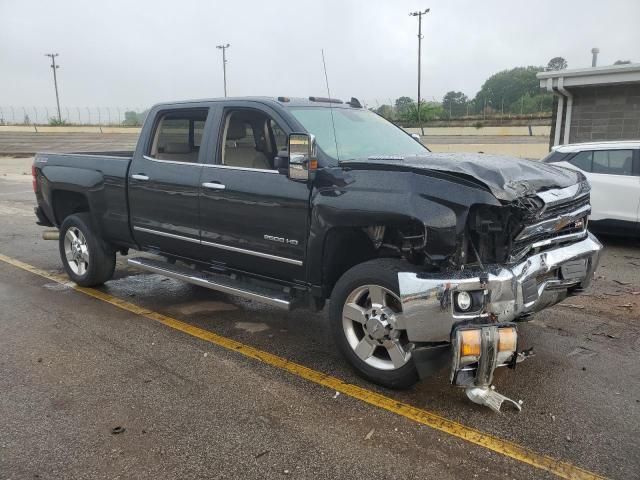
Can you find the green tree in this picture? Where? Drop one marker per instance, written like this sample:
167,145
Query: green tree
131,119
56,122
455,103
428,111
507,87
454,98
403,104
528,104
386,111
557,63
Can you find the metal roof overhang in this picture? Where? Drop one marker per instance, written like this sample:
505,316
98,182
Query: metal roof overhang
582,77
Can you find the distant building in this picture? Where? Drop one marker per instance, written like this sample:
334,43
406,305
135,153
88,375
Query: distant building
598,103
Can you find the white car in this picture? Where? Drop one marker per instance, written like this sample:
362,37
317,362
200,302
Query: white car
613,170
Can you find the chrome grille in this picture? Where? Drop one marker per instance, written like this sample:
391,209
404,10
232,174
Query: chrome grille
566,207
560,221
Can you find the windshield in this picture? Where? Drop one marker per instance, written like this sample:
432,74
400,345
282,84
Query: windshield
359,134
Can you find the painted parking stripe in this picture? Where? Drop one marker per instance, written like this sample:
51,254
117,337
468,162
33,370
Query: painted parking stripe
509,449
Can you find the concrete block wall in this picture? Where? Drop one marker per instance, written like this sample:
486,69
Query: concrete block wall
605,113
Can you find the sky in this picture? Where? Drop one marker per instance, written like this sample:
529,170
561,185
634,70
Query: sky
132,54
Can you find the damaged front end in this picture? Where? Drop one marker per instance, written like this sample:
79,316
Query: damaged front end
514,260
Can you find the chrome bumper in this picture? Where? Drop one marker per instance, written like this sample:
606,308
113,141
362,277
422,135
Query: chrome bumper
505,293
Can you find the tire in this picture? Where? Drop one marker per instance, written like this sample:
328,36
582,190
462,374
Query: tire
87,259
358,287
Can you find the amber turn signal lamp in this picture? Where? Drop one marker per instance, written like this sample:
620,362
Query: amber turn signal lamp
508,339
470,343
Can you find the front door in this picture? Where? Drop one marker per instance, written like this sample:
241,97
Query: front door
252,217
164,183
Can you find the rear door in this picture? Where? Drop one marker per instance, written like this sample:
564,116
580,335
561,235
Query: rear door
614,176
164,183
252,217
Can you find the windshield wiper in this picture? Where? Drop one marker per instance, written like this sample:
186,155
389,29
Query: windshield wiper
386,157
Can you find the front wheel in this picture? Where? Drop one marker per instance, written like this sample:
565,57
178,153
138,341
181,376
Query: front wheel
363,313
86,258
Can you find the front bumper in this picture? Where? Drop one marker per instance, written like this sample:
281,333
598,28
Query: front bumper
505,293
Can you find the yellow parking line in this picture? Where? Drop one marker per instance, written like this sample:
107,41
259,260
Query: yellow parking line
512,450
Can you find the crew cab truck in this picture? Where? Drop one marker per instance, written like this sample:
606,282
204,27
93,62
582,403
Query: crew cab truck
428,260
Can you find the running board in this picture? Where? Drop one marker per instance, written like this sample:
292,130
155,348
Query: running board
215,281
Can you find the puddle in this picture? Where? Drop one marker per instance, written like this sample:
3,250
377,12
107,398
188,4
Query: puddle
252,327
56,287
204,307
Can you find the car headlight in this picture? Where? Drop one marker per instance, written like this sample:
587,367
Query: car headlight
463,301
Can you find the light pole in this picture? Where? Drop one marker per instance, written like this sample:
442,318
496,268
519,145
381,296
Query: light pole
419,14
224,64
54,67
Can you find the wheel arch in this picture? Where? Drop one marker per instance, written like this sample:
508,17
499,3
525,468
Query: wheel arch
345,247
67,202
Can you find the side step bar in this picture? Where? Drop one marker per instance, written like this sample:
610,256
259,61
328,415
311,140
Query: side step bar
214,281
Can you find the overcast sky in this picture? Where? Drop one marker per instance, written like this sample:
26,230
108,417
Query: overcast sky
136,53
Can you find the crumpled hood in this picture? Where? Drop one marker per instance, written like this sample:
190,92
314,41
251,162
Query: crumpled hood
506,177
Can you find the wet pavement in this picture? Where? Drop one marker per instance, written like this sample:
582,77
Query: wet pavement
72,368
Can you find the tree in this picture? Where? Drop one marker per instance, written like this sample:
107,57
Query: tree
527,104
131,119
428,111
57,122
455,103
403,104
386,111
508,86
557,63
622,62
455,99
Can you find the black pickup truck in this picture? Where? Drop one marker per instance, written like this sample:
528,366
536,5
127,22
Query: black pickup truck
427,259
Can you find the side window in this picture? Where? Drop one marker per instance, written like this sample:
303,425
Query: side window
245,143
583,161
613,162
178,136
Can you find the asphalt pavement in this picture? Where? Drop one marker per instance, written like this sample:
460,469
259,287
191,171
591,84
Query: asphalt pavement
73,367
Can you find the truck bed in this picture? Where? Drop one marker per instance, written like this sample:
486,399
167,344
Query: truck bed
99,179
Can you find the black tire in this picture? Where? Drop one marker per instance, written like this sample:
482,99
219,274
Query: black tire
101,258
382,272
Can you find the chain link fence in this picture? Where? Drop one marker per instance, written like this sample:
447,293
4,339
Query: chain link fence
534,107
98,116
497,110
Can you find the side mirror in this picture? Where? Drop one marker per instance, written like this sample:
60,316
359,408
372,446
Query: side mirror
303,160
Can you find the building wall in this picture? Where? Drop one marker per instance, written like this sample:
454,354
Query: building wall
605,113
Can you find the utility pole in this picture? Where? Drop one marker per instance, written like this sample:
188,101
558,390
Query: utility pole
55,80
419,15
224,64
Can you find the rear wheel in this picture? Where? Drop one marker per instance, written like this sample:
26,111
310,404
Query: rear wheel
364,310
86,258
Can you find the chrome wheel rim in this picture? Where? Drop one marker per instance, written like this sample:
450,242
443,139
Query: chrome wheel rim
370,323
77,251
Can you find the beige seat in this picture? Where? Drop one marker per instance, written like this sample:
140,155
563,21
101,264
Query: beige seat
179,152
239,150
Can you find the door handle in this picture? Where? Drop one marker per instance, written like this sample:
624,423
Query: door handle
214,185
139,176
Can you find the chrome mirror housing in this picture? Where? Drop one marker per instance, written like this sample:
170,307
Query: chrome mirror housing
303,160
